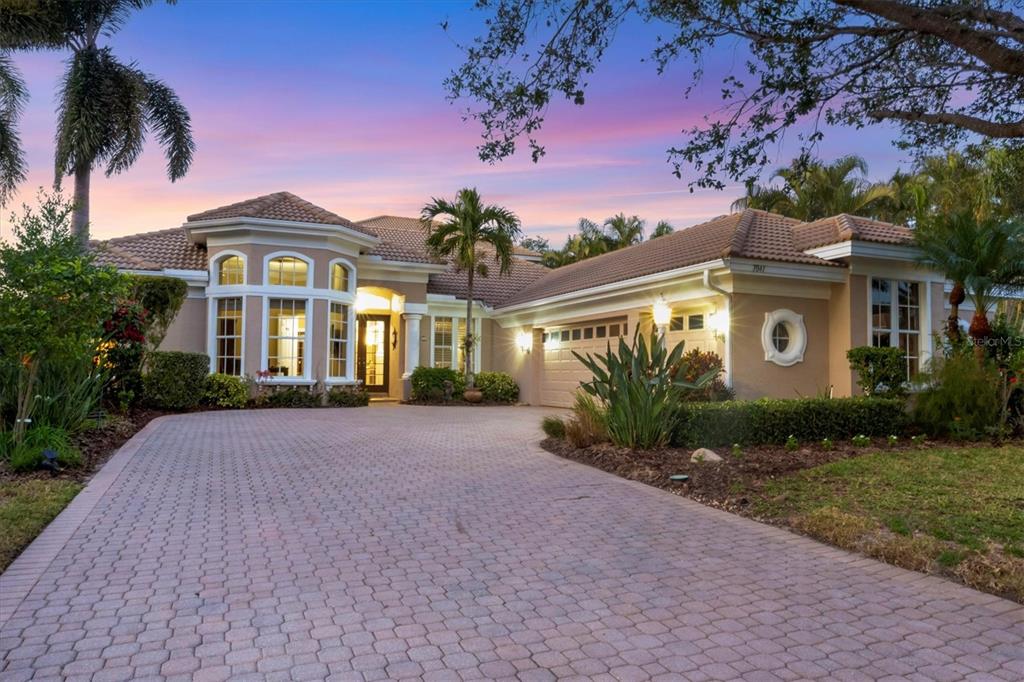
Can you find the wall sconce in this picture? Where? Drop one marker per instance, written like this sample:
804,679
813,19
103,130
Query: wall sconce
718,321
524,340
662,313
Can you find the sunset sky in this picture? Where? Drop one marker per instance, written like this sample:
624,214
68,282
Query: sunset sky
343,104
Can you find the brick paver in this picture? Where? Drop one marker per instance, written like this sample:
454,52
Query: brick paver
442,544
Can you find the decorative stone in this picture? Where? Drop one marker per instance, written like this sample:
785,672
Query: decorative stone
705,455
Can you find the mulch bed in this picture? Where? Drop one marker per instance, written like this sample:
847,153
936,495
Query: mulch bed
96,445
728,484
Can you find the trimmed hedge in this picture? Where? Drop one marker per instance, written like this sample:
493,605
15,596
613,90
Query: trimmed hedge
772,422
176,380
340,396
224,390
497,387
428,383
292,396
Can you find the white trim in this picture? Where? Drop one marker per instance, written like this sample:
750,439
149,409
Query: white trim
378,268
281,292
192,277
856,248
306,346
213,265
794,323
352,279
211,330
201,228
803,271
310,274
894,315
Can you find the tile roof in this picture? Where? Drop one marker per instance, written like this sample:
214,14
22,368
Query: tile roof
151,251
750,234
278,206
845,227
405,239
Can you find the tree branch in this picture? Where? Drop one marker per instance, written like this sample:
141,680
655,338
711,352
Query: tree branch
973,123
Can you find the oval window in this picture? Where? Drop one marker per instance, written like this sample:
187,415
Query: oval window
784,337
780,337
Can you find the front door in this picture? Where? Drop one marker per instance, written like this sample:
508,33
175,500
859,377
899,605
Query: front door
372,357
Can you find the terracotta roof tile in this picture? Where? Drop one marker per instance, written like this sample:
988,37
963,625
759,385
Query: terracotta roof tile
278,206
750,234
401,239
844,227
158,250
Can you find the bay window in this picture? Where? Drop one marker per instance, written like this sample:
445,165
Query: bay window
286,337
228,336
287,271
337,330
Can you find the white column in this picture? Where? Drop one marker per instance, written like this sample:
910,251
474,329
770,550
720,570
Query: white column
412,343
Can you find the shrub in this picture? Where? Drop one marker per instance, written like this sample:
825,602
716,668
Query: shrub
293,396
640,392
792,444
963,399
123,349
28,454
176,380
428,383
224,390
589,422
68,391
343,396
861,441
553,427
697,363
497,387
161,299
880,372
773,421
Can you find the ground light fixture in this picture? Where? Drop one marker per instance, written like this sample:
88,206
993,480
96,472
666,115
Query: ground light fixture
679,478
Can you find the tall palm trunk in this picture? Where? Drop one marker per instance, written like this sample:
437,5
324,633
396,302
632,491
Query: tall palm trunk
956,297
467,342
80,215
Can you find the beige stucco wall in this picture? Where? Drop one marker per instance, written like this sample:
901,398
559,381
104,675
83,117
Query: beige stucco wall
847,320
414,292
755,377
188,330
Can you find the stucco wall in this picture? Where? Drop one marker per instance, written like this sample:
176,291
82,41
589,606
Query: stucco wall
755,377
188,330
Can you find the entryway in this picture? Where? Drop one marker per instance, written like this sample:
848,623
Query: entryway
372,357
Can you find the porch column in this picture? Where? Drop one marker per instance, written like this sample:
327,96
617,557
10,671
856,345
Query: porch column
412,343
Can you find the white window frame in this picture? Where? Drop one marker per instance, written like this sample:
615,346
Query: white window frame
924,311
211,326
306,346
794,323
351,275
350,349
310,272
477,327
214,267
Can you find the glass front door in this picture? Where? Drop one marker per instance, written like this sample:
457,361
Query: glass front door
372,360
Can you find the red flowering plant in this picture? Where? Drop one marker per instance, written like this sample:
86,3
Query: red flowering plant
697,363
123,350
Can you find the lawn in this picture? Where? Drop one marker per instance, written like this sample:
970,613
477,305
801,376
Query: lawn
26,506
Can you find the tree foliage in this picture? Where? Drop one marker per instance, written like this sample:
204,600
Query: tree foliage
942,71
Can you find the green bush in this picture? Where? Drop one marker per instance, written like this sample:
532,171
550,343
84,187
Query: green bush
68,391
428,383
771,421
553,427
175,380
343,396
640,387
293,396
28,454
963,399
880,372
161,299
497,387
224,390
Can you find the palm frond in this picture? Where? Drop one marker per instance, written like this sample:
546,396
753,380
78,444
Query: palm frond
12,101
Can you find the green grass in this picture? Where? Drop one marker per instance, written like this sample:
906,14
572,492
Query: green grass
964,495
25,509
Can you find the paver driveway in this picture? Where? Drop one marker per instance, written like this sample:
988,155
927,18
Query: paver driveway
403,542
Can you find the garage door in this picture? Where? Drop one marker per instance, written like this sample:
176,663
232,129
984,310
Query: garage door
562,373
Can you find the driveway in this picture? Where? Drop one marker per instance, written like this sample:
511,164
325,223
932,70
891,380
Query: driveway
442,543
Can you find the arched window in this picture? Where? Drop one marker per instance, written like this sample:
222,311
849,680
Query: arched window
231,270
288,271
339,277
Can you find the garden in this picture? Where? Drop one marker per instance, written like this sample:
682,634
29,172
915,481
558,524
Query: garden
80,373
928,476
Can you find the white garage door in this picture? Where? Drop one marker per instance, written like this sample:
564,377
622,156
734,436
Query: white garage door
562,373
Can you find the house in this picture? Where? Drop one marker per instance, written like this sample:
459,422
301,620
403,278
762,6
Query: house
279,285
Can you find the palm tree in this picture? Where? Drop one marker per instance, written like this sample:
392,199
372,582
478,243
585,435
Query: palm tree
623,231
470,225
105,107
981,256
12,99
662,229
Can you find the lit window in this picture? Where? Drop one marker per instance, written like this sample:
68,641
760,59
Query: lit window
339,277
337,327
286,337
443,342
695,322
231,270
900,330
229,336
288,271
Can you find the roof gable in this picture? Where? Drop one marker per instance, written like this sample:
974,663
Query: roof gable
283,206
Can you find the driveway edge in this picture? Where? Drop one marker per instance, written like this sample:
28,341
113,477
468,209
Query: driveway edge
23,574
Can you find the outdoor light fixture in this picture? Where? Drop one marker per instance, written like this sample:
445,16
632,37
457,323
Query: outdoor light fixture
525,341
662,314
719,322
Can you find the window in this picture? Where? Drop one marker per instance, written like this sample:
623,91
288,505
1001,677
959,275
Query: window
613,330
443,342
577,334
784,337
695,322
339,277
229,336
902,328
287,271
565,335
588,333
601,331
780,337
337,334
231,270
677,323
286,337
